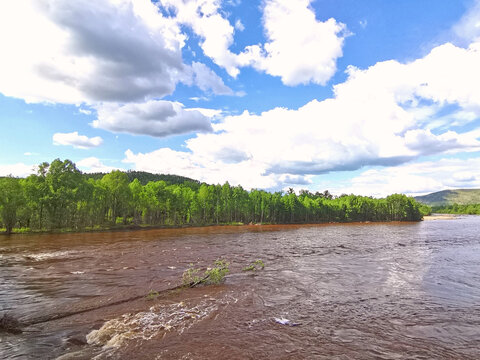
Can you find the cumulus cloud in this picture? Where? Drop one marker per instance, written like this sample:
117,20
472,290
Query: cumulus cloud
167,161
17,170
415,179
94,165
215,31
81,51
155,118
85,111
445,76
468,28
129,51
206,80
210,113
378,116
111,55
306,55
84,52
427,143
295,179
76,140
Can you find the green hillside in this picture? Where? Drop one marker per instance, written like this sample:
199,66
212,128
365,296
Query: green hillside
145,177
449,197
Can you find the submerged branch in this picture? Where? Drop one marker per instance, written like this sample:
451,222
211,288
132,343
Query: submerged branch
212,276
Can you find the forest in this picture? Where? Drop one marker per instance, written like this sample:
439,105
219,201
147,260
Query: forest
59,197
465,209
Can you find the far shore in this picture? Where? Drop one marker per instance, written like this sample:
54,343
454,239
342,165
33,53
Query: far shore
440,217
120,228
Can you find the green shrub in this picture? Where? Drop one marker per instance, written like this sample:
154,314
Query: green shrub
152,295
256,265
217,274
190,276
214,275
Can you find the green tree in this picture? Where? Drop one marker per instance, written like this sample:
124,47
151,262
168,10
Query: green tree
11,200
118,194
59,189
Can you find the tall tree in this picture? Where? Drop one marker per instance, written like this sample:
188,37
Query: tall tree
62,181
118,194
11,200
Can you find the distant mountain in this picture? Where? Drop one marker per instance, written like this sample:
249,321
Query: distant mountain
449,197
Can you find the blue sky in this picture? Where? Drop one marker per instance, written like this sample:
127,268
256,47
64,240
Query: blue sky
371,97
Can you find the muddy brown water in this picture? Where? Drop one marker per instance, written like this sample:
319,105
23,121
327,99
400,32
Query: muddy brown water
358,291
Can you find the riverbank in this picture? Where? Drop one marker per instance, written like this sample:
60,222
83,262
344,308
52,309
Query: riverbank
131,227
440,217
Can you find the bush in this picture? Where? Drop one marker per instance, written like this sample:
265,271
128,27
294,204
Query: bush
256,265
217,274
190,276
214,275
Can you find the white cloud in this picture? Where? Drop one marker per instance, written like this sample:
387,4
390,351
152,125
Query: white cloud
379,116
76,140
446,75
468,28
84,111
307,54
79,51
167,161
415,179
155,118
210,113
303,51
127,51
93,165
17,170
199,98
207,80
239,26
111,55
215,31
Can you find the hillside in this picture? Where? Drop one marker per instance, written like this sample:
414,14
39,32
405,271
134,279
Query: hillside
145,177
449,197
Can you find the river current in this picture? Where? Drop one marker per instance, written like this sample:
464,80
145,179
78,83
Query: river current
335,291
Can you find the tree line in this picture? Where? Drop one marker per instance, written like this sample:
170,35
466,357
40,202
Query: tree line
467,209
61,197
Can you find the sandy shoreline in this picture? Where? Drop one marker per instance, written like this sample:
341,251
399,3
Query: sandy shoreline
440,217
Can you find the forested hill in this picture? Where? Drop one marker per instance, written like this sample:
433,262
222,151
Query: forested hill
145,177
450,197
60,197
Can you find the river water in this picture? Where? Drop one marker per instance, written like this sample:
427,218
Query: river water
355,291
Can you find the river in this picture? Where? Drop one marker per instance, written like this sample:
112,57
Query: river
335,291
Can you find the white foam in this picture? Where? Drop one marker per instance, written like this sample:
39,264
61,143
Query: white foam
158,321
50,255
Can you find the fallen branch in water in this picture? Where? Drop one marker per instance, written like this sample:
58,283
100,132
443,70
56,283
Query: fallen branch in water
213,275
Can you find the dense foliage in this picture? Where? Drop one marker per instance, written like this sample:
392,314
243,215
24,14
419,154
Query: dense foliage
145,177
470,209
59,196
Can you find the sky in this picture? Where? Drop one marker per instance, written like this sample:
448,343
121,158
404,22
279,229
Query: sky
369,97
